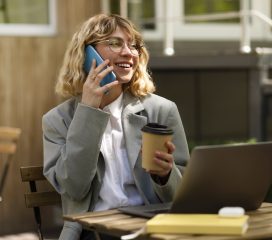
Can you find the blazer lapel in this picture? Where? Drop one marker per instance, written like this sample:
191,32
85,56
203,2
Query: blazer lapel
132,124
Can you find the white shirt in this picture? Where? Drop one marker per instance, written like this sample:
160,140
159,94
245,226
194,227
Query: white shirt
118,187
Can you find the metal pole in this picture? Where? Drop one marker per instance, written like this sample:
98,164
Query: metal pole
105,6
168,31
123,8
245,27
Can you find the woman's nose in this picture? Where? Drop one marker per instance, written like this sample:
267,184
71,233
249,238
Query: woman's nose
126,50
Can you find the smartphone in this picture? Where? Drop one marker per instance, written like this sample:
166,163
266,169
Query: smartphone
90,54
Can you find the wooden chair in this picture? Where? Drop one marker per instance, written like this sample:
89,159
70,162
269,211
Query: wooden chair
37,198
8,144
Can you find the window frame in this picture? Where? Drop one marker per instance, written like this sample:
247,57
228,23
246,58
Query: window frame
220,31
259,30
21,29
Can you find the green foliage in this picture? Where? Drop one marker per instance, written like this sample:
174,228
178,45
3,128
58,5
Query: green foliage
148,9
192,144
27,11
115,6
197,7
210,6
268,197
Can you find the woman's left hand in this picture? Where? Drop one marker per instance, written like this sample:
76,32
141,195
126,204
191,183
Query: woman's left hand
164,160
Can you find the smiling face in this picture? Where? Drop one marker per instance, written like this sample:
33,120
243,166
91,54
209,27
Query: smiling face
125,62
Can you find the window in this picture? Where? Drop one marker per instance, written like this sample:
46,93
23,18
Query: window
196,7
151,15
27,17
224,29
141,12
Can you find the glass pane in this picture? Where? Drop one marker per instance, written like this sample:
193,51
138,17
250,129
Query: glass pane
141,12
2,11
198,7
115,6
24,11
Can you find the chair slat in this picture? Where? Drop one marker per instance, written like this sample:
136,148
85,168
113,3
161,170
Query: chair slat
38,196
10,133
37,199
7,147
32,173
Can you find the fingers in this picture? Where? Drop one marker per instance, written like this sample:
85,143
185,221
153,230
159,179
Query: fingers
94,71
97,78
92,92
165,163
97,74
106,88
164,160
170,146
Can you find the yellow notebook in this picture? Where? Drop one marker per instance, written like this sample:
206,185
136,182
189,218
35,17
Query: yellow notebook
197,224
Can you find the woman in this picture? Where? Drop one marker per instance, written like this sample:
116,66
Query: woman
92,141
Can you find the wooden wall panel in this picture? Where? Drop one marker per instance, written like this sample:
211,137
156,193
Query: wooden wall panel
29,67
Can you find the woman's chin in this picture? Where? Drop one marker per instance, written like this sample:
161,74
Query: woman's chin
123,80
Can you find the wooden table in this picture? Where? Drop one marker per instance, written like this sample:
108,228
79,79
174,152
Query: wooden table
114,223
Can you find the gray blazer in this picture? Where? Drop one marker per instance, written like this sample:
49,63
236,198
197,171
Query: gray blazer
74,165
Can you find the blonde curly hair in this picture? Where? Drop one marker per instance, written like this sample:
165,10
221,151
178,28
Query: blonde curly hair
97,28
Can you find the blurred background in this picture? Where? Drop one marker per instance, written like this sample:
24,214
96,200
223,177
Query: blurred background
212,57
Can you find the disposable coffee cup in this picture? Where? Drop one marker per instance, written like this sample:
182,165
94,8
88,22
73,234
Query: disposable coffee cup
154,137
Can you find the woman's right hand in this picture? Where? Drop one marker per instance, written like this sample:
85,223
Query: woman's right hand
92,92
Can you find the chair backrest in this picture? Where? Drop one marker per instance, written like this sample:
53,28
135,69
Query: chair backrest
8,145
35,198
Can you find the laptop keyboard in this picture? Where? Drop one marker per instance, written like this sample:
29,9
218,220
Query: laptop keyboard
147,211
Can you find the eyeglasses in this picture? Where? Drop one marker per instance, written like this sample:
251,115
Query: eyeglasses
117,44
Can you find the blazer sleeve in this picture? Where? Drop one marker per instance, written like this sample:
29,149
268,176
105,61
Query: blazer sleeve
171,118
181,154
72,147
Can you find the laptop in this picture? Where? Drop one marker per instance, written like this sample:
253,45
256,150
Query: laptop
219,176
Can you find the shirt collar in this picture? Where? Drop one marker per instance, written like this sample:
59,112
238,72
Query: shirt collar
115,108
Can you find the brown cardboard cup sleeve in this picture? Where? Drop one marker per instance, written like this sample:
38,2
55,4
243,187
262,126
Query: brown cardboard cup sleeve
154,137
